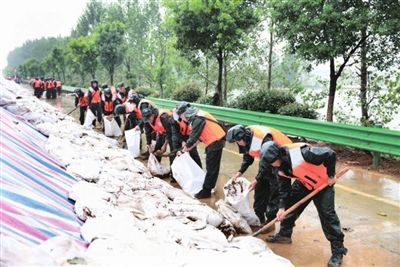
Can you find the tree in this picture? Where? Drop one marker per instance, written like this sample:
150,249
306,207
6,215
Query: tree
111,46
212,28
381,50
59,59
83,51
90,19
38,49
321,31
30,68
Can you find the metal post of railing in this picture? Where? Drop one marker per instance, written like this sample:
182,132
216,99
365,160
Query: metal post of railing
376,160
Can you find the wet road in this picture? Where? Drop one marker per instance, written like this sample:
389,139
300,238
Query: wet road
368,205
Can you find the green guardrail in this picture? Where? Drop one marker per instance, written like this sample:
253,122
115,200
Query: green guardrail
377,140
69,89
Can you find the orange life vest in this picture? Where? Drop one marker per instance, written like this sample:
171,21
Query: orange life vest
108,106
259,133
37,84
310,175
58,84
96,97
212,131
50,85
83,101
157,126
184,128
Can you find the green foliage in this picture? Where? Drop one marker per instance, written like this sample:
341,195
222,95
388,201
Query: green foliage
205,99
83,53
145,90
111,46
90,19
31,68
298,110
33,49
214,28
264,100
189,92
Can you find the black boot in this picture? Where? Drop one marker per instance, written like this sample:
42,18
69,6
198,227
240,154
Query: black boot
280,239
336,260
203,194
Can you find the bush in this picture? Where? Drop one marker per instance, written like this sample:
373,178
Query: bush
146,91
298,110
262,100
189,92
205,99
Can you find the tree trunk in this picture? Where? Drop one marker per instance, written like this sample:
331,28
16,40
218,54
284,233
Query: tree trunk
111,76
271,44
206,75
225,79
363,82
220,58
332,91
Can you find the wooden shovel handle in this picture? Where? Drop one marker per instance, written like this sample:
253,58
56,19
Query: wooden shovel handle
300,202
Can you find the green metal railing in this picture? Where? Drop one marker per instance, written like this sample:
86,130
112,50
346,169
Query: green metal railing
377,140
373,139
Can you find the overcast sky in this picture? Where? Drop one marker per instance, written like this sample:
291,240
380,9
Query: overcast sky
21,20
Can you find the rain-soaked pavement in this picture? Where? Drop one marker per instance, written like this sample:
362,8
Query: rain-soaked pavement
368,205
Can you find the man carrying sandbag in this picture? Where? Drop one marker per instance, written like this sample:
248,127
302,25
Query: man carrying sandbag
206,129
249,140
160,121
181,130
312,167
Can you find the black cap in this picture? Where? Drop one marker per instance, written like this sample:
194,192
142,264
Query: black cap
236,133
119,109
270,151
181,107
147,112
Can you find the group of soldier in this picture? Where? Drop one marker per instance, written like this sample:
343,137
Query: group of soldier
184,127
51,87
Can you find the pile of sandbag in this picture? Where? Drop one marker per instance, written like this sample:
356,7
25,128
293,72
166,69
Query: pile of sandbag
130,216
236,205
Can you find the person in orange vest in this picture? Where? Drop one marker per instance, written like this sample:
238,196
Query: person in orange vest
141,105
181,130
206,129
108,103
160,122
83,101
53,91
94,96
249,140
59,87
311,167
122,93
37,87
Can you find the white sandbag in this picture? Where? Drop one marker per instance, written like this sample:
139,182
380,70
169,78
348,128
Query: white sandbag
233,216
133,142
237,195
111,128
155,167
90,117
188,174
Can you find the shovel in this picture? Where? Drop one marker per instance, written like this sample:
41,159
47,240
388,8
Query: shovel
300,202
73,110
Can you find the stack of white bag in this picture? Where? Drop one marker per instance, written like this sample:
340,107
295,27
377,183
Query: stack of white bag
188,174
111,127
236,205
131,216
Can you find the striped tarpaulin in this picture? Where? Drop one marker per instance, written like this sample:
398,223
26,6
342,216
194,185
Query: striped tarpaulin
34,187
